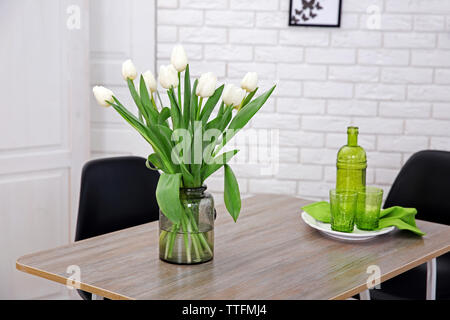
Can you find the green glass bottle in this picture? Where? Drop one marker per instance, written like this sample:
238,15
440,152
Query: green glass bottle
351,164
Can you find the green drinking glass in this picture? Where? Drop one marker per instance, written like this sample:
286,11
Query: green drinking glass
343,210
368,208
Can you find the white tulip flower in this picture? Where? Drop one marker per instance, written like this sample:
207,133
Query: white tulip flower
233,95
102,95
168,77
206,85
250,82
227,95
150,81
129,70
179,58
238,96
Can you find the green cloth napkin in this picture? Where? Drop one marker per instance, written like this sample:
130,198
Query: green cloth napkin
402,218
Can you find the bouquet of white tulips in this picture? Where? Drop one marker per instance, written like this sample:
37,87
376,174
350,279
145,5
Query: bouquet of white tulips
185,141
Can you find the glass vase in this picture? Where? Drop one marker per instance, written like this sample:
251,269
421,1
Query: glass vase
191,241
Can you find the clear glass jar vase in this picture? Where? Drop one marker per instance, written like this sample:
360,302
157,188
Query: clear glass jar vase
192,240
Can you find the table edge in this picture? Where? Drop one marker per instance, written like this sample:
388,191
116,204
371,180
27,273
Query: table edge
358,289
112,295
77,285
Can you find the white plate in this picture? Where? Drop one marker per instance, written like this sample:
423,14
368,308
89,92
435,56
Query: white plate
356,235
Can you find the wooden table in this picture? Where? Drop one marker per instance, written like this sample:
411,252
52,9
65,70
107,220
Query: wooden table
269,254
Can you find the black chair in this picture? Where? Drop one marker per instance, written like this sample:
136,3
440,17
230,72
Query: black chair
116,193
423,183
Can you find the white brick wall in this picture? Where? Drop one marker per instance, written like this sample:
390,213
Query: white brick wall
394,82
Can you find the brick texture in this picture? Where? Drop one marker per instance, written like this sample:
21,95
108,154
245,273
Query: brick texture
392,81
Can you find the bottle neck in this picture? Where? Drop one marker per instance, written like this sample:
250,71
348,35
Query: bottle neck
352,139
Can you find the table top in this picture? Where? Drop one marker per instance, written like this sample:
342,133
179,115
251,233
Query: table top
269,254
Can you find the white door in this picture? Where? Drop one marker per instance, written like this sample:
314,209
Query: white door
44,132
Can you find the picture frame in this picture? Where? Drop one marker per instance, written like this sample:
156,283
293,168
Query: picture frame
315,13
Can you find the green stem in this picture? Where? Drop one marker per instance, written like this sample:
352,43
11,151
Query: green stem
186,239
204,242
179,90
240,105
162,235
159,98
171,240
197,247
199,108
200,235
153,102
193,237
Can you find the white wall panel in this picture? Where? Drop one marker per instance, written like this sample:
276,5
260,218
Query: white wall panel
120,30
37,207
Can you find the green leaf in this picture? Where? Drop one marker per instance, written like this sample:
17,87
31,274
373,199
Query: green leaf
219,123
149,133
196,152
194,103
168,196
159,99
165,134
146,102
210,105
180,165
214,123
131,119
174,110
155,160
137,99
244,116
187,97
249,97
232,195
226,117
188,178
163,115
219,162
221,109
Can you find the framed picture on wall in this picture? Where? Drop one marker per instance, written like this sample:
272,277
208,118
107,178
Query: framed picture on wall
315,13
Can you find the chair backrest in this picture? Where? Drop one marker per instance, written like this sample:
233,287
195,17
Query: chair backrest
424,183
116,193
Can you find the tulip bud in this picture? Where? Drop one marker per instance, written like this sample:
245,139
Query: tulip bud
206,85
102,95
250,81
233,95
129,70
238,96
150,81
179,59
168,77
227,95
